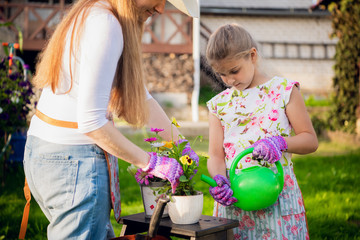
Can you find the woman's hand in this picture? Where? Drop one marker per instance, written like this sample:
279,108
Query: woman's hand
165,168
270,149
222,193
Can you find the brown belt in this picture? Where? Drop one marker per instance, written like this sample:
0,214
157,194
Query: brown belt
55,122
51,121
111,161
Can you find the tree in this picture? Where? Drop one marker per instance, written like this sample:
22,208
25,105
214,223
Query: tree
346,27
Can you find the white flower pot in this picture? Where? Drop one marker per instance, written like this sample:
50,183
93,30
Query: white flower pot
149,199
186,209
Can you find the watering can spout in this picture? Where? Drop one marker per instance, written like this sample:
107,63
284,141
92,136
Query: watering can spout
208,180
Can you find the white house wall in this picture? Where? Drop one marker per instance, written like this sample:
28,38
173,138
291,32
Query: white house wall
315,76
264,4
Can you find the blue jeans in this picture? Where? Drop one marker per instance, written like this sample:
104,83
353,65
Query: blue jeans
71,185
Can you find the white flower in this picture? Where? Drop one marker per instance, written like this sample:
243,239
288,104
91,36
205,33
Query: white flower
14,99
157,144
1,110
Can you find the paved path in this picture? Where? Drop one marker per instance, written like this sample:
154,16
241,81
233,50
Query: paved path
187,128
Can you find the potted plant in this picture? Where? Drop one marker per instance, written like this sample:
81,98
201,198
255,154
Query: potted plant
15,98
15,104
185,206
150,188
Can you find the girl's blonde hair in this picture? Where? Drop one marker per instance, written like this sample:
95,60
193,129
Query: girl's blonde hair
229,42
128,96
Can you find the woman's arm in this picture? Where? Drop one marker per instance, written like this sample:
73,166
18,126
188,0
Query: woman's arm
102,45
109,138
216,163
305,140
159,119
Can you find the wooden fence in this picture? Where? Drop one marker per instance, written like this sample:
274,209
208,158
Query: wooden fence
38,21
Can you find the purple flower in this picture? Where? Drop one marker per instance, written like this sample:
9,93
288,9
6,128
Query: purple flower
4,116
152,139
188,151
23,84
142,177
29,91
2,64
15,100
156,130
195,171
14,76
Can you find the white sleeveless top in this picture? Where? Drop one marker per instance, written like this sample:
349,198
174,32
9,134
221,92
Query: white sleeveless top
256,113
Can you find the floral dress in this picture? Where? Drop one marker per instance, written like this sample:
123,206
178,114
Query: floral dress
247,116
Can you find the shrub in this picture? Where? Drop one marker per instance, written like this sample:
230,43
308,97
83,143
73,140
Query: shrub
15,100
346,27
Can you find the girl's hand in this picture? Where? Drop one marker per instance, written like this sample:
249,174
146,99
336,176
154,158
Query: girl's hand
165,168
270,149
222,193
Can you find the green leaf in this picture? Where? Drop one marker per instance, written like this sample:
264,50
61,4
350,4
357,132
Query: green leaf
223,104
183,179
243,122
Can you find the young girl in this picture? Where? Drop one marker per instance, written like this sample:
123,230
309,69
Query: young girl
261,112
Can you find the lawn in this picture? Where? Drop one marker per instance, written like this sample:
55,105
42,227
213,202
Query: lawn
328,178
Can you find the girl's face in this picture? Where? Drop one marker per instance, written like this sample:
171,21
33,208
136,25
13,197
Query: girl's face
238,73
148,7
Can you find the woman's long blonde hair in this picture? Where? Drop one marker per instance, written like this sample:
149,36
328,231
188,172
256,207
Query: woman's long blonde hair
128,96
229,42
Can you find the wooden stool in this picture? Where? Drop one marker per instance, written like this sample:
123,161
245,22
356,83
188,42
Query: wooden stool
209,228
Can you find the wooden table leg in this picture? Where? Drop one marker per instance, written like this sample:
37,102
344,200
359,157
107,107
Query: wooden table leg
131,229
214,236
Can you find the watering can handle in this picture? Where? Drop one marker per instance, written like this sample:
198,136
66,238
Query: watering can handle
212,182
237,159
280,173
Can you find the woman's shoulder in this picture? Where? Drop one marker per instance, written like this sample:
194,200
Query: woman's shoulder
101,22
100,15
102,31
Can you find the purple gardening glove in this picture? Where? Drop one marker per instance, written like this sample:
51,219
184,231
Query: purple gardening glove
222,193
165,168
269,149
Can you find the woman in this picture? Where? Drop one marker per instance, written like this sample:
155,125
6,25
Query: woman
91,68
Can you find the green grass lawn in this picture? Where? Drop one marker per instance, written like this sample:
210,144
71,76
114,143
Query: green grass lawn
329,180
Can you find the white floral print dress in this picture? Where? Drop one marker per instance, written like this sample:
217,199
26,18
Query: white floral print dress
247,116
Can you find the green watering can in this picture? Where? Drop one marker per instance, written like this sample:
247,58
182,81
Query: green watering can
255,187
